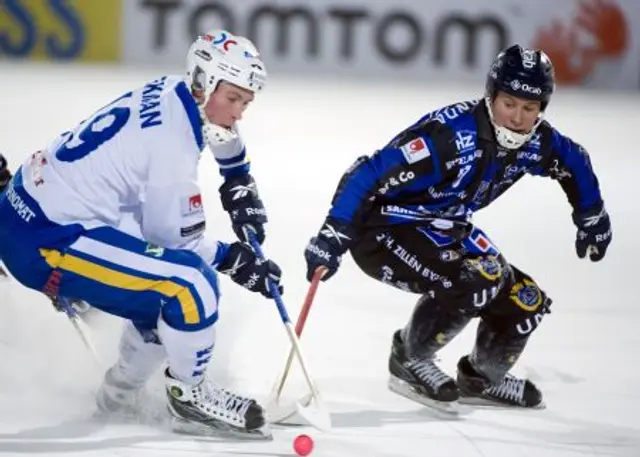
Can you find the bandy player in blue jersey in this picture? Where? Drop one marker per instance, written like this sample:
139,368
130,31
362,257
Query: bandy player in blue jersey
405,212
110,212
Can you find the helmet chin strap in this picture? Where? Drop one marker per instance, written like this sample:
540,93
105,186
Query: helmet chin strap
507,138
214,134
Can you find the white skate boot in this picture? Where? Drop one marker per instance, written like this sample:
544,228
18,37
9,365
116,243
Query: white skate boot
205,409
117,395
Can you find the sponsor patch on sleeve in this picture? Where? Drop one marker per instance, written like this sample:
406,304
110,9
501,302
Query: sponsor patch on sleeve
192,205
415,150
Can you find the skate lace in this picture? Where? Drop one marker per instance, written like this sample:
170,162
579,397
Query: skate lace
511,388
428,372
224,403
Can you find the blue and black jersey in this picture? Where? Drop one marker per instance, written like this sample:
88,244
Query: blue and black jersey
448,165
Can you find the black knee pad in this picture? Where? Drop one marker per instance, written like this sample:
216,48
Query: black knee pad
532,303
519,308
481,280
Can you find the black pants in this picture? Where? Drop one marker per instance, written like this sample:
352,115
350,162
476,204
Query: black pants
459,279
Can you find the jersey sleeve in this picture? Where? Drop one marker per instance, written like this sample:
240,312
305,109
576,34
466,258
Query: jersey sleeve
570,165
402,166
231,157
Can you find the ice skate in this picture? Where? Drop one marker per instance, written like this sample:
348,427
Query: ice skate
421,380
475,389
117,396
205,409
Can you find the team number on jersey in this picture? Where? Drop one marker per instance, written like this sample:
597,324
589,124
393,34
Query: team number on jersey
95,131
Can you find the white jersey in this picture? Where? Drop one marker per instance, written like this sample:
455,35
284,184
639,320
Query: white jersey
133,163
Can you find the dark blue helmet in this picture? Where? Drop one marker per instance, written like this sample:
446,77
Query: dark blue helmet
521,72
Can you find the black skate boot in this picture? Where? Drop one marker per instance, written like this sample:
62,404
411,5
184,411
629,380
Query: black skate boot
420,380
476,389
205,409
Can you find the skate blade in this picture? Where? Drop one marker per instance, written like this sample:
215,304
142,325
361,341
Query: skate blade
450,408
485,403
221,431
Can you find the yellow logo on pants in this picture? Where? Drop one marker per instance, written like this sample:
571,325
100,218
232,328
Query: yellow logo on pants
526,295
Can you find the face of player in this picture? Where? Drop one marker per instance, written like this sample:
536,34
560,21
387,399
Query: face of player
517,114
227,103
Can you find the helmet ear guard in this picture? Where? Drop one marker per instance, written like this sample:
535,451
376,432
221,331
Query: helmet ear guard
523,73
198,86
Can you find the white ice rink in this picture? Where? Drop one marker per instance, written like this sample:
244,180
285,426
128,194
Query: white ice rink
301,136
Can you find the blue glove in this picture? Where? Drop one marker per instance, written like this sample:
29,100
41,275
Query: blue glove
71,306
240,199
594,233
245,268
326,249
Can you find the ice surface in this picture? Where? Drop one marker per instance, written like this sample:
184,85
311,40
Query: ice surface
301,135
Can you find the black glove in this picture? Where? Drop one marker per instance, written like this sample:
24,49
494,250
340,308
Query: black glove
5,174
245,268
326,249
240,199
594,233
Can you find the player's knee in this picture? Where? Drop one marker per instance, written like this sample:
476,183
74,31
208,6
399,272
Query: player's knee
519,310
532,302
186,310
192,300
481,281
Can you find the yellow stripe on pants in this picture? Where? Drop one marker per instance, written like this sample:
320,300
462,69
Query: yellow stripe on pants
124,281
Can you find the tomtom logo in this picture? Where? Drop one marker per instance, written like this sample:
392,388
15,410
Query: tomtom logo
396,35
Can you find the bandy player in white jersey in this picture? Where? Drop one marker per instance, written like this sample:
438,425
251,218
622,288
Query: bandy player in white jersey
134,162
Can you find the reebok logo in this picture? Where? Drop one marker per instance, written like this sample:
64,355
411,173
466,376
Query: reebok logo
252,281
319,252
329,232
255,211
241,191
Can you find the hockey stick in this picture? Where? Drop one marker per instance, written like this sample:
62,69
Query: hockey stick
319,417
280,413
64,305
78,324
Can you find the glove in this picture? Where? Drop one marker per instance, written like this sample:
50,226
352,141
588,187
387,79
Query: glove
73,305
594,233
240,199
5,174
245,268
326,249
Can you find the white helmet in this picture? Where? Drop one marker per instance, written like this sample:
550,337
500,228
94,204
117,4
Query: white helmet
221,56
